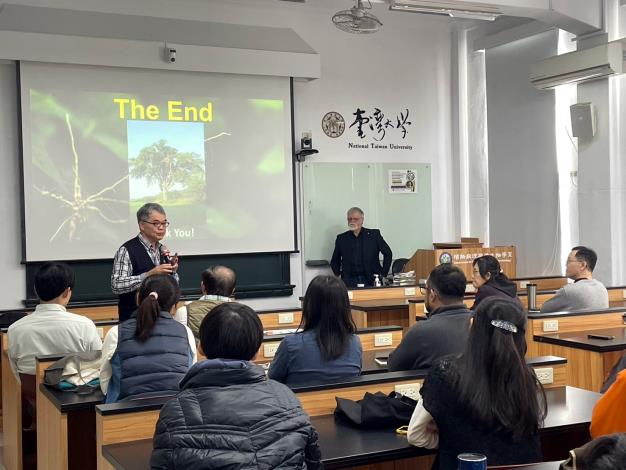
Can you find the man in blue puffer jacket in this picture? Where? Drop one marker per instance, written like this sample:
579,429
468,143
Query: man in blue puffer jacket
228,415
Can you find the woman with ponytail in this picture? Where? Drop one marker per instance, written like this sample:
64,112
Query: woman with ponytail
490,281
487,400
150,353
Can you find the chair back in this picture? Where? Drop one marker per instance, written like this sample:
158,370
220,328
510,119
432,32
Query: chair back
398,265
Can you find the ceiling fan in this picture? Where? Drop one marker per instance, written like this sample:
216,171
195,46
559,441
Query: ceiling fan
357,19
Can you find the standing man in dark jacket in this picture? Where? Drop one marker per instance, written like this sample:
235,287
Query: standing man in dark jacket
447,328
141,257
228,414
356,256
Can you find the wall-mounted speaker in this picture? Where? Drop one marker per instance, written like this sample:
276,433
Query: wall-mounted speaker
583,117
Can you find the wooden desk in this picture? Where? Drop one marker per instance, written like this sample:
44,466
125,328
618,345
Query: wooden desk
617,296
360,294
557,364
134,455
536,466
417,307
114,421
382,312
589,360
404,312
69,427
279,319
342,445
11,413
542,282
564,322
369,364
367,336
130,421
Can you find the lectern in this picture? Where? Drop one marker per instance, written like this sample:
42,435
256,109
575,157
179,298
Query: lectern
462,255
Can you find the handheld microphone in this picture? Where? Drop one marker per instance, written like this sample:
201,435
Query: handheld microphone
165,259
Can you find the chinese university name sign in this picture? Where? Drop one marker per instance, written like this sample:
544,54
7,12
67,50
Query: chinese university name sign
371,129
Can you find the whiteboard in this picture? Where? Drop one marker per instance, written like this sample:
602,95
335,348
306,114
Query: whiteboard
330,189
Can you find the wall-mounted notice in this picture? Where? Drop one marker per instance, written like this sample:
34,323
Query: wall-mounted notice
402,181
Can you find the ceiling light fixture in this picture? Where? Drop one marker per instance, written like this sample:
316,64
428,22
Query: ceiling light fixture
451,12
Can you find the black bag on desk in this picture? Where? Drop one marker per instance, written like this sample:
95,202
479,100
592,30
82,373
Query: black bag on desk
75,372
377,410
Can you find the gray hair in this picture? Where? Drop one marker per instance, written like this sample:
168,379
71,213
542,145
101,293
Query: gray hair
352,210
144,211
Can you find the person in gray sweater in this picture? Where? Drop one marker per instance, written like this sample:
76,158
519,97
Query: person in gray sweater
447,328
585,292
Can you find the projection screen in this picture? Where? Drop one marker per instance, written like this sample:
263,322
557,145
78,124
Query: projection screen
213,149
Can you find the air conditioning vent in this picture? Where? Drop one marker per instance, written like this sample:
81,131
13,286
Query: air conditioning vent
579,66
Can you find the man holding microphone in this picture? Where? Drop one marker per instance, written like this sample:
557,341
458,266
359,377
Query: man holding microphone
141,257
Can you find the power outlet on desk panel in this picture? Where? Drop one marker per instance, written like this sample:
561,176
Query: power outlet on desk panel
285,318
269,349
545,375
409,291
383,339
550,325
409,390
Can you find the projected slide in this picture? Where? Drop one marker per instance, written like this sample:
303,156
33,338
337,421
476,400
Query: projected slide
215,153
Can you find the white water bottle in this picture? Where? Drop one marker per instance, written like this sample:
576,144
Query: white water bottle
377,281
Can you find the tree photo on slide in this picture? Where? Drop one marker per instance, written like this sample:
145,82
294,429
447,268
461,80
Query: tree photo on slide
166,166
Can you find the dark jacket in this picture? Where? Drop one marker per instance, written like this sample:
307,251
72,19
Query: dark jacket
500,286
155,366
445,332
141,263
228,415
372,244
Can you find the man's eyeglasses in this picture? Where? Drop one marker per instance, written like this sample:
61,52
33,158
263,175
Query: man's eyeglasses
157,224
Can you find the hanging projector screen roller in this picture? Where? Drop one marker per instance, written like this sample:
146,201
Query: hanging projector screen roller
98,143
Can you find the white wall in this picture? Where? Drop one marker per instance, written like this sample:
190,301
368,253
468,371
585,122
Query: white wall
12,273
601,168
406,64
523,179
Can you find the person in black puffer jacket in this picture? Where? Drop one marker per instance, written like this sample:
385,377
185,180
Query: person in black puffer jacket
228,415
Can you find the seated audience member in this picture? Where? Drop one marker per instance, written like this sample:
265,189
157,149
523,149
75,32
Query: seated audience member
609,414
603,453
50,329
447,327
217,286
327,347
486,401
150,353
585,292
228,415
490,281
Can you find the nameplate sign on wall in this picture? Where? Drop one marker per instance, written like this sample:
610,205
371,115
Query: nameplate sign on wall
371,128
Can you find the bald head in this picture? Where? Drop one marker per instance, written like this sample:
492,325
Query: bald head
218,280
